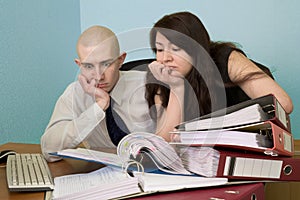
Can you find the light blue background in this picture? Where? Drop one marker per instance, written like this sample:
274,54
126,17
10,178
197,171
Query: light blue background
38,40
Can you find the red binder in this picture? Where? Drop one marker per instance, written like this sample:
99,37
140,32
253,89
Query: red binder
275,111
232,192
275,140
269,104
283,142
250,166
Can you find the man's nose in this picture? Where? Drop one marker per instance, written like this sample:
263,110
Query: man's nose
99,72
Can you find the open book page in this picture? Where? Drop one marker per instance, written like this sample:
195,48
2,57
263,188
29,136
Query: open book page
91,155
135,145
105,183
250,114
136,151
152,182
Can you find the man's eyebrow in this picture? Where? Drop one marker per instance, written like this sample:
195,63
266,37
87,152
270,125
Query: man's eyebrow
101,62
108,60
85,63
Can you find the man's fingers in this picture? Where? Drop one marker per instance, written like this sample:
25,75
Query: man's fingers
83,82
87,87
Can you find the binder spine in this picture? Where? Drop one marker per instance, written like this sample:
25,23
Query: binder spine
277,114
283,141
249,168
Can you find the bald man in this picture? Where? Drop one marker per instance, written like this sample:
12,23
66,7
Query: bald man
79,114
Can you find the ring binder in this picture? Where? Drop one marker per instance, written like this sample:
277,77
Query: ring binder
139,166
268,104
132,147
266,137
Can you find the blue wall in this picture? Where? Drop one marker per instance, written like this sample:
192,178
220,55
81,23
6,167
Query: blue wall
37,54
38,40
268,31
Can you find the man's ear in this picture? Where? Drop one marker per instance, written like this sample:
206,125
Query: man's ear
77,61
122,59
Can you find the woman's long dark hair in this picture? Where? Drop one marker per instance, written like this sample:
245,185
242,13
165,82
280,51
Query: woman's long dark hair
186,31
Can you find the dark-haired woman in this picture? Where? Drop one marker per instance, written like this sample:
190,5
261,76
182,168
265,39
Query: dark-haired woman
193,76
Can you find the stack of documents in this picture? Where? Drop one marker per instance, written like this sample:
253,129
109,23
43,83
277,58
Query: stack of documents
249,114
249,141
105,183
242,165
252,111
203,161
261,126
110,182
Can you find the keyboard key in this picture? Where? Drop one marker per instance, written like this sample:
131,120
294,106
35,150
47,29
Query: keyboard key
28,172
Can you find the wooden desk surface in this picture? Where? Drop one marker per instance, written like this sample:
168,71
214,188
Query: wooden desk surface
63,167
274,191
284,190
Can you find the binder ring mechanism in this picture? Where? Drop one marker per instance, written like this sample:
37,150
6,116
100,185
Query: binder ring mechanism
127,164
271,153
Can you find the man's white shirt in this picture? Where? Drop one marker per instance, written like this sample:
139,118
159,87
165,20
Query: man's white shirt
77,118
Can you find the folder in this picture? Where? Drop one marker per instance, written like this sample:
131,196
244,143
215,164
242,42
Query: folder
275,111
251,166
268,103
283,142
232,192
266,137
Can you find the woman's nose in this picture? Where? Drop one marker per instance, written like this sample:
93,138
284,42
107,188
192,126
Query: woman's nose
167,56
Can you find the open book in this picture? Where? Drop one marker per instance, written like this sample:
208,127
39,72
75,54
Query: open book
111,182
138,152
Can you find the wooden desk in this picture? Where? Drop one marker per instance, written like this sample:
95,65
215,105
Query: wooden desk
284,190
273,191
63,167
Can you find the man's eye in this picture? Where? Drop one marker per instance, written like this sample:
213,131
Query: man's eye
87,66
107,64
159,50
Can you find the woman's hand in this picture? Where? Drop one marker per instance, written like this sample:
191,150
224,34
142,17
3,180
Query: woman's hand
166,74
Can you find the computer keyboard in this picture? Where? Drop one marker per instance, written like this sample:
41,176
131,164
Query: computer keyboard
28,172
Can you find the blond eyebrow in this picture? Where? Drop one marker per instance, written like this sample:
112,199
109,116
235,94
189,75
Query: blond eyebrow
108,60
102,62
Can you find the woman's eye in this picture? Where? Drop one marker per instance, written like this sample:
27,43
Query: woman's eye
176,49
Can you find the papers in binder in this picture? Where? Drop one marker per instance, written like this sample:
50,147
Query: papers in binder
110,182
251,111
230,138
135,150
105,183
249,114
152,182
264,137
212,162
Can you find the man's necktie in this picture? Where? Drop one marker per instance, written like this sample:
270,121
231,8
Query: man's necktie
115,125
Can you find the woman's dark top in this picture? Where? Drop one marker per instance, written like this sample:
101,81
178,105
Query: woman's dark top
220,55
